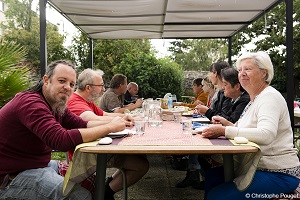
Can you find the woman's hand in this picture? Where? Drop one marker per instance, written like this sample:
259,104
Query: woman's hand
198,102
200,109
214,131
220,120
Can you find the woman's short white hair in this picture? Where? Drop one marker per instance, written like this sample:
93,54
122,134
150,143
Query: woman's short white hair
262,60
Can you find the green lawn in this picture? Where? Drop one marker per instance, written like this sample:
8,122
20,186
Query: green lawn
58,156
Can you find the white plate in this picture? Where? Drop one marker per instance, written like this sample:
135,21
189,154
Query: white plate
187,114
201,119
120,133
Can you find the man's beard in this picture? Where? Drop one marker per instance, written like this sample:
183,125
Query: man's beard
58,105
94,96
59,108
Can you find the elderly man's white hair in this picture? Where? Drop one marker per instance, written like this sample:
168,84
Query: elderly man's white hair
99,71
87,76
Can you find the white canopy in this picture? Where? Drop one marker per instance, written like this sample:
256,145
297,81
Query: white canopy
158,19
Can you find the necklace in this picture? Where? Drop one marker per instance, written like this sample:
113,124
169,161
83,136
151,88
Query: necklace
247,107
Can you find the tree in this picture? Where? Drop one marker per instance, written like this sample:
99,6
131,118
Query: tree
13,78
268,34
80,50
198,54
155,77
22,28
109,53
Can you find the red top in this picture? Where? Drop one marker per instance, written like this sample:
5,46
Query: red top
78,105
29,130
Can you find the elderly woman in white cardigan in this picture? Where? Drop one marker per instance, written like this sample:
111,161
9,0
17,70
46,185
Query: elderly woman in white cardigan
265,121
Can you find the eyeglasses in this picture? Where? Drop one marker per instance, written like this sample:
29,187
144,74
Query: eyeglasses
101,85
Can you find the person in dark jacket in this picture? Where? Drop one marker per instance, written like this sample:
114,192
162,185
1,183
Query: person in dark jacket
220,101
131,93
230,103
233,89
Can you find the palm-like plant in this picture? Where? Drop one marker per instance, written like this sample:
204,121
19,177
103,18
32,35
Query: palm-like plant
13,78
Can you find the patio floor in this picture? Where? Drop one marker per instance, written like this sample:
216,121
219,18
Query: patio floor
159,183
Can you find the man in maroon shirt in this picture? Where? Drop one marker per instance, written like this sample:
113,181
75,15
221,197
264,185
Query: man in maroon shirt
90,86
32,124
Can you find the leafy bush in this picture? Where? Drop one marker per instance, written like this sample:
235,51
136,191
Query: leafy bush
13,78
155,77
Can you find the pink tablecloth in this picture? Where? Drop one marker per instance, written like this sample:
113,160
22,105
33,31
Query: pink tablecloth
169,134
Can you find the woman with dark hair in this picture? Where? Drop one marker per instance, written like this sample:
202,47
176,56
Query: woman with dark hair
233,89
221,101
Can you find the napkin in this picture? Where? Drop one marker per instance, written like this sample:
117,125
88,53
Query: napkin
245,166
82,166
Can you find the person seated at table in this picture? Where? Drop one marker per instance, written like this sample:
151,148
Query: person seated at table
113,99
89,89
201,96
265,121
210,89
233,89
131,93
222,103
239,99
32,124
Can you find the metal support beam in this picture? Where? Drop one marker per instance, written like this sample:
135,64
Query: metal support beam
230,51
43,40
289,59
91,54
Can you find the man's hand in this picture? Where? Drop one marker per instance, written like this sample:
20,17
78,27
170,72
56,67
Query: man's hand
117,124
138,103
128,119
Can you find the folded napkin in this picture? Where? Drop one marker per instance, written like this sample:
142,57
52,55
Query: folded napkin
82,166
245,166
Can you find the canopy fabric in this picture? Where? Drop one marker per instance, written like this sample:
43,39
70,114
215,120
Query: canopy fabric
162,19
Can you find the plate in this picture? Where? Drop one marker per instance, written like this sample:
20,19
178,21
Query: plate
187,114
120,133
201,119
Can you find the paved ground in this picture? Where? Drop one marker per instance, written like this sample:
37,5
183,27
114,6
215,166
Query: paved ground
159,183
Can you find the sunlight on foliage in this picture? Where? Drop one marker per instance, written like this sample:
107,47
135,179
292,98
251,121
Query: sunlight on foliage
14,77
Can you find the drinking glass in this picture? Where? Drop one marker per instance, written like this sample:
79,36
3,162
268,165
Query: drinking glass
139,124
177,117
187,126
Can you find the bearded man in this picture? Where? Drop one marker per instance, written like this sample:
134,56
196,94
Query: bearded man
32,124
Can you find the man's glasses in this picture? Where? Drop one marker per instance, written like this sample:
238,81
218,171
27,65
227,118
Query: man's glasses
101,85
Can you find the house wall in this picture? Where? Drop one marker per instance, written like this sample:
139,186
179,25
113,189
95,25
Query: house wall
2,16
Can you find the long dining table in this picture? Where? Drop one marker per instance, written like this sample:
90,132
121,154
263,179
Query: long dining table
167,139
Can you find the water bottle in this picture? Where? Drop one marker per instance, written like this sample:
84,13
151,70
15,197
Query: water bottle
170,102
